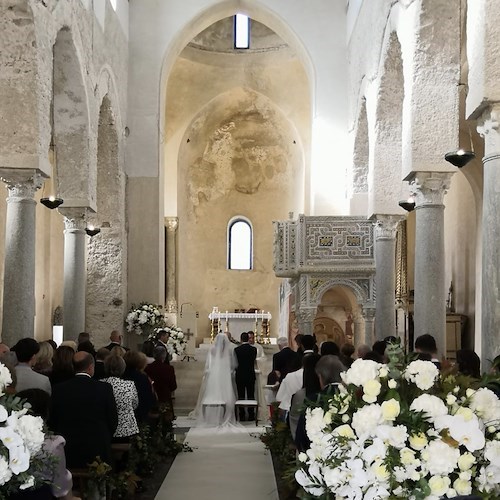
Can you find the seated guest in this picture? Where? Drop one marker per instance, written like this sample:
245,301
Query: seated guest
374,356
379,347
329,347
100,357
69,343
126,398
83,337
162,375
62,365
26,350
286,360
84,412
43,363
87,346
346,353
328,369
135,364
118,350
468,363
362,350
58,477
309,389
426,345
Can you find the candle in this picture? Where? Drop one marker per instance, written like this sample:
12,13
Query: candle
226,316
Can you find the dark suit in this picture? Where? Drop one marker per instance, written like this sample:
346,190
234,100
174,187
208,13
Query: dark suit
84,413
115,344
286,361
246,355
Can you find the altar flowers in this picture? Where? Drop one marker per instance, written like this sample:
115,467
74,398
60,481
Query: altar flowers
177,341
144,318
400,430
21,437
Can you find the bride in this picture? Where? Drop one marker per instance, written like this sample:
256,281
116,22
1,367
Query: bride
215,406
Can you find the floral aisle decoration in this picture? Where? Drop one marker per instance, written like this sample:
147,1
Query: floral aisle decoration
399,431
144,318
177,340
22,436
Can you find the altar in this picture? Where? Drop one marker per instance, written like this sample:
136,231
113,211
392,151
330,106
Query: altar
237,323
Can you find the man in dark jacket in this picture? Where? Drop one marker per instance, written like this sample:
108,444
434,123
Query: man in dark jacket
286,360
246,355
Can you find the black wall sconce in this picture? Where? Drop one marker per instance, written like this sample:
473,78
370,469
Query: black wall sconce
51,202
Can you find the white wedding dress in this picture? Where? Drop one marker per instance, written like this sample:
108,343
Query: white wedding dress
215,405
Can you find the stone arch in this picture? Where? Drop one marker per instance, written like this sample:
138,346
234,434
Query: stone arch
75,180
385,186
360,163
357,289
107,252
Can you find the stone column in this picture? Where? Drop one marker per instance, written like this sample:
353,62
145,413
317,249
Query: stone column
305,319
429,189
359,330
385,277
19,270
74,272
171,223
490,272
369,317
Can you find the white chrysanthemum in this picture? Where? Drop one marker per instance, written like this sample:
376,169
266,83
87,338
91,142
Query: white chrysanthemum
431,406
439,458
390,409
394,436
360,372
486,404
422,373
5,472
314,423
366,420
492,453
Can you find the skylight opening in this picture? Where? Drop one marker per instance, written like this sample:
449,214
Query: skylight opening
241,31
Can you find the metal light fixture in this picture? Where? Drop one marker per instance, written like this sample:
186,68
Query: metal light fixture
51,202
92,231
459,158
408,205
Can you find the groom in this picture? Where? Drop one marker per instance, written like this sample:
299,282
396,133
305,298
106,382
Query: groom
246,355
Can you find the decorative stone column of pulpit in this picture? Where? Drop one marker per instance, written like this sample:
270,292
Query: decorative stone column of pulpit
171,223
489,126
359,329
305,318
19,269
75,274
385,277
369,317
429,189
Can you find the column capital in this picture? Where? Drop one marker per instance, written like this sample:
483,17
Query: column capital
369,313
488,126
21,183
171,306
74,218
306,314
429,188
386,226
172,223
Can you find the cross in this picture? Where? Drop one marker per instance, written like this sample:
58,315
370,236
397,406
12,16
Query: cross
188,333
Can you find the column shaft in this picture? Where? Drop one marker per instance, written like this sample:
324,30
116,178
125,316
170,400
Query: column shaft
19,273
490,288
369,317
385,277
74,273
429,189
171,224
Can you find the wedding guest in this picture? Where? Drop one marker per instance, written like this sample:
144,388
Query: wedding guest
286,360
83,337
298,343
148,349
26,350
346,353
116,339
52,342
379,347
374,356
135,363
87,346
62,365
468,363
260,349
118,350
84,412
126,398
362,350
163,376
329,347
426,345
58,477
100,357
43,363
69,343
4,348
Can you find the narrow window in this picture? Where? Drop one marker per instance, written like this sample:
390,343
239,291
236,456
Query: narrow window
241,32
239,245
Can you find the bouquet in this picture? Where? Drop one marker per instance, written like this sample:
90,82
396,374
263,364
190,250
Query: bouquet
21,437
400,430
177,341
145,317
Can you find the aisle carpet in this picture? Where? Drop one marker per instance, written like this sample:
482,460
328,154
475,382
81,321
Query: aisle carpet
223,465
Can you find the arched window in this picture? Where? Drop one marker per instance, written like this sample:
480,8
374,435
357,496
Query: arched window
239,244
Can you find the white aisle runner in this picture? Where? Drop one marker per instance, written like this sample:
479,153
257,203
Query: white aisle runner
225,466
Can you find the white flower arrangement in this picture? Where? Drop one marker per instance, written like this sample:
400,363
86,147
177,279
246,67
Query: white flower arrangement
145,317
407,433
22,436
177,341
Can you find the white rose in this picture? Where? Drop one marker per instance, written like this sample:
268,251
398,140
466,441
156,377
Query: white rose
439,485
361,371
371,389
451,399
407,456
383,371
462,487
390,409
392,384
466,461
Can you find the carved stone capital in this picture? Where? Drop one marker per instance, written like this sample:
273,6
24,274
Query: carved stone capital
429,188
386,226
171,223
369,313
22,184
74,219
171,306
306,315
